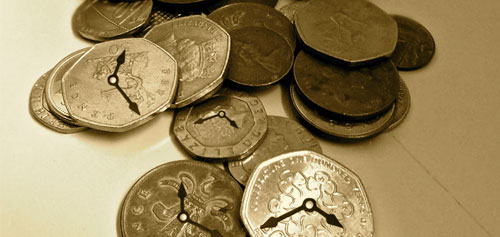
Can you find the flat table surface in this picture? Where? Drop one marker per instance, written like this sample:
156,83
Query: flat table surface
437,174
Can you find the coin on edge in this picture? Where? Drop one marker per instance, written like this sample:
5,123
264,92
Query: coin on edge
403,103
104,20
338,128
238,15
201,48
226,127
320,196
188,198
259,57
117,85
283,135
214,5
351,93
40,110
353,32
53,89
415,47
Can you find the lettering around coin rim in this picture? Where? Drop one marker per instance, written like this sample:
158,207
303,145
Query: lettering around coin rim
225,145
210,199
341,129
415,47
201,48
286,182
283,135
40,111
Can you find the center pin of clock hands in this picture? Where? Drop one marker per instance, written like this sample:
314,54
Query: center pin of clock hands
220,114
113,80
309,205
184,216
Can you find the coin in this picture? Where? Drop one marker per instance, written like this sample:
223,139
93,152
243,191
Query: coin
228,126
220,3
53,89
117,85
353,32
246,14
415,47
351,93
40,111
338,128
158,16
290,9
201,48
402,105
259,57
103,20
183,198
283,135
181,2
321,197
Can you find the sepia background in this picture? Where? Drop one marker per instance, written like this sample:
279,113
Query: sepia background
437,174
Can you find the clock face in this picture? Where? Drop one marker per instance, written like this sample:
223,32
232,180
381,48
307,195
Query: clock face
183,198
304,193
146,79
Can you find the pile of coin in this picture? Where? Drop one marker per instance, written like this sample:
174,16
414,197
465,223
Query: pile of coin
159,55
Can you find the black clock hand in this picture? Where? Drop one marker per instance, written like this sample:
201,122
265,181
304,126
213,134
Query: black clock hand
308,205
220,114
273,221
182,194
231,122
113,80
201,120
184,218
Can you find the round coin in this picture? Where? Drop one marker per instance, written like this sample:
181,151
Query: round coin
104,20
305,193
338,128
183,198
117,85
403,103
283,135
201,48
228,126
415,47
247,14
53,89
352,32
259,57
351,93
40,110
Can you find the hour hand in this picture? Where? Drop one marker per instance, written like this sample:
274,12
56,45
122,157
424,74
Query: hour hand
182,194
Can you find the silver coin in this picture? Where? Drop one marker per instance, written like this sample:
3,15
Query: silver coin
305,193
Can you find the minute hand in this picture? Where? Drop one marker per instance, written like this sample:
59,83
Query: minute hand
113,80
213,233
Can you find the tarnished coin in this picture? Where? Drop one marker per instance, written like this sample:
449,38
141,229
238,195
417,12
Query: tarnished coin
259,57
290,9
53,89
403,103
201,48
240,15
117,85
338,128
283,135
40,111
183,198
214,5
352,32
305,193
103,20
228,126
353,93
415,47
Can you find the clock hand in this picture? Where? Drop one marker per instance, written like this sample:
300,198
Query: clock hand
330,218
273,221
184,218
182,194
201,120
231,122
113,80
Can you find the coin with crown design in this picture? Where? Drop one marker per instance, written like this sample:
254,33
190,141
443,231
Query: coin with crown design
117,85
201,48
228,126
183,198
305,193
